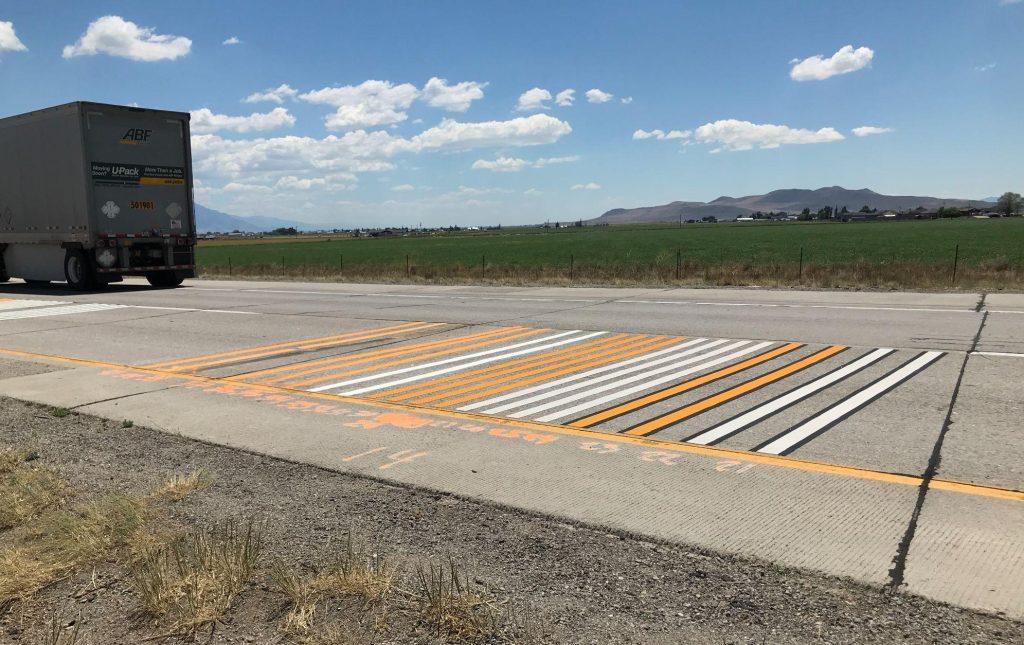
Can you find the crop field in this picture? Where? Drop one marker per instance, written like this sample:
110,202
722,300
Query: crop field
987,253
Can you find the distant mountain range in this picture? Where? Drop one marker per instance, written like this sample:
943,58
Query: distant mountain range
790,200
211,221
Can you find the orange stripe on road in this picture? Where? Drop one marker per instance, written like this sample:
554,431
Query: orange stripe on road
516,382
654,397
665,420
355,338
298,369
457,380
413,359
180,363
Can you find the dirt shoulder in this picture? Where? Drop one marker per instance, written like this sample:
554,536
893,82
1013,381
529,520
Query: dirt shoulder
564,583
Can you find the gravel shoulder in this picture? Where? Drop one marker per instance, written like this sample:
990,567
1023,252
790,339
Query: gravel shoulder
583,584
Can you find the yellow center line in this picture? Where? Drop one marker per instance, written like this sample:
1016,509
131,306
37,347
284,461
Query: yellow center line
714,452
294,343
300,369
413,359
479,378
653,425
619,353
635,404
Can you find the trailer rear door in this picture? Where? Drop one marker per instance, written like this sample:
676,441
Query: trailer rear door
140,176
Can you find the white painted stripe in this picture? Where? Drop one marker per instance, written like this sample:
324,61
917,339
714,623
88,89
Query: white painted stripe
208,311
850,404
771,407
56,311
462,366
616,371
29,304
447,361
618,393
795,306
1011,355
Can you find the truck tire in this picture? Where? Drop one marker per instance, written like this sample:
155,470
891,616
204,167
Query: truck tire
78,270
164,279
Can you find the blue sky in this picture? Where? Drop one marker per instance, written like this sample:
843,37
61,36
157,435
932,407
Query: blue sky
688,94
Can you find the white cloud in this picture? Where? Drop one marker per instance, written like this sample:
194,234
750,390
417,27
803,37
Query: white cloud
565,98
403,188
867,130
597,96
204,121
532,192
1008,2
116,36
454,98
533,130
626,100
535,99
512,164
232,41
640,135
588,186
9,41
368,104
276,95
732,134
359,151
985,68
844,61
501,164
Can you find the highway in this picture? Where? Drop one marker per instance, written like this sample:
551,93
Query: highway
872,435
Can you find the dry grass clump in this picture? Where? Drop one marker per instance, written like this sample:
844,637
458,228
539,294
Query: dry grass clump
57,543
178,487
356,572
193,581
11,459
452,605
26,491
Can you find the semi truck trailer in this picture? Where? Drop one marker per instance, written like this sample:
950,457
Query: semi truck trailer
91,192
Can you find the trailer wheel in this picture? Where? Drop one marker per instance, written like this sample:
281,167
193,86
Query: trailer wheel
78,270
164,279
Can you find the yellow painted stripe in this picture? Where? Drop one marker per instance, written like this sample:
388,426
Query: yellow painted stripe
413,359
714,452
416,390
679,388
6,299
300,369
512,383
659,423
354,338
294,343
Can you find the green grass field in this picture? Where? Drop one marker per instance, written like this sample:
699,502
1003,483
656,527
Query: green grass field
630,253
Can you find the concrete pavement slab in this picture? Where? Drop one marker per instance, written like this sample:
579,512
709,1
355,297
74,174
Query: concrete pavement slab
967,551
985,443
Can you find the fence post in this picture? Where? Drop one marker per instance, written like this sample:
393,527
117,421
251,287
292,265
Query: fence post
956,257
800,276
679,261
572,263
282,263
341,263
406,264
483,265
229,265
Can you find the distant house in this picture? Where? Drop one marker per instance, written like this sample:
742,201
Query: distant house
744,219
